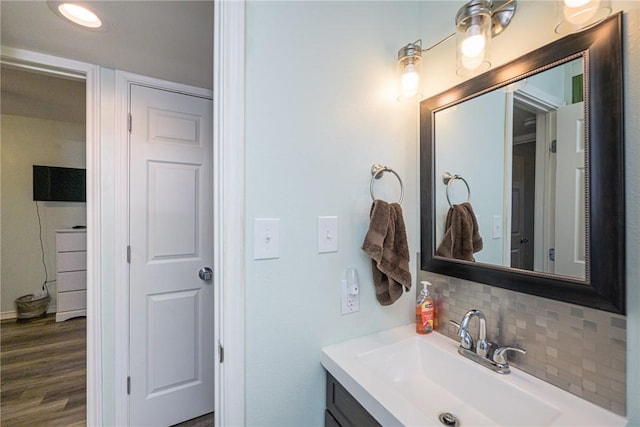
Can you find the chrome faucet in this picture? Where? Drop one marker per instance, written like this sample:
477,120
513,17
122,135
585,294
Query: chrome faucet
481,347
482,351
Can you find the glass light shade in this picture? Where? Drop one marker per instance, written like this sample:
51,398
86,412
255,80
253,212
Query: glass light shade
409,69
409,82
473,36
577,15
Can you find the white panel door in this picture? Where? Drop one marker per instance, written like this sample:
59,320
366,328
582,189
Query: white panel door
171,239
570,249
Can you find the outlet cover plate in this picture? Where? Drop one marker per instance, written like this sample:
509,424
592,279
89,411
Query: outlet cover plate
349,303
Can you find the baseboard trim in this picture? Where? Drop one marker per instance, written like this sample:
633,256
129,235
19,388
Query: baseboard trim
8,315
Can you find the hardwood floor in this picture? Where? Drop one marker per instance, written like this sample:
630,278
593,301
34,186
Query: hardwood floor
43,372
203,421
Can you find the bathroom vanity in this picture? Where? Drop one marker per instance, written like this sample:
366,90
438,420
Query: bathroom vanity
401,378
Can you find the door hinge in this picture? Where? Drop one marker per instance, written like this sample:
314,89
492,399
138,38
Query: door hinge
128,254
221,352
554,146
128,385
129,122
552,254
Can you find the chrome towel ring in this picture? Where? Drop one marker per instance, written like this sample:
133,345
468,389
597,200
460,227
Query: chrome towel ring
377,170
448,179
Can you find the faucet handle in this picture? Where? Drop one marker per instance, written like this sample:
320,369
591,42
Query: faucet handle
500,354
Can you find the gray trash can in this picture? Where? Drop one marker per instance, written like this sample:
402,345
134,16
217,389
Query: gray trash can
32,306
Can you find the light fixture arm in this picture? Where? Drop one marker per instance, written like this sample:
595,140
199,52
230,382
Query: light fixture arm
501,14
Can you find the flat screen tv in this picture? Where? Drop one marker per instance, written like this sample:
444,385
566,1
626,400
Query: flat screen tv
56,184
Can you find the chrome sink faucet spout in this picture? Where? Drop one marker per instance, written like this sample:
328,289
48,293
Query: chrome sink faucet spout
482,351
481,347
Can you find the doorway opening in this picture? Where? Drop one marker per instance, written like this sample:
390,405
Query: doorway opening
64,68
44,129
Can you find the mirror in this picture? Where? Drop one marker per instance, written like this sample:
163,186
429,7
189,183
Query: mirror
536,149
530,204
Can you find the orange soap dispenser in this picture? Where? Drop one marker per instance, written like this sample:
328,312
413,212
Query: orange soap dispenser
425,310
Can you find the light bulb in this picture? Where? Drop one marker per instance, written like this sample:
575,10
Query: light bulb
410,81
474,42
80,15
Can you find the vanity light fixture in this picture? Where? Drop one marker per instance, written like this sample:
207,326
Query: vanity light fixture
476,23
409,65
578,15
78,13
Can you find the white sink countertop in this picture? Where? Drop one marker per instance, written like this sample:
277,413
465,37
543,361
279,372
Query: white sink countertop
403,378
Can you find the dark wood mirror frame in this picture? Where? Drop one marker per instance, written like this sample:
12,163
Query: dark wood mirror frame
601,48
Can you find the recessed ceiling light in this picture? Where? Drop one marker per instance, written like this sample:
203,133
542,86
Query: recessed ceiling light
79,14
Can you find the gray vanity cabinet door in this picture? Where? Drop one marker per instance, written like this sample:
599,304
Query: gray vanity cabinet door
343,410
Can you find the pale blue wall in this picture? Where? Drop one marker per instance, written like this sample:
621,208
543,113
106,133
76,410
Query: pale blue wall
473,127
321,109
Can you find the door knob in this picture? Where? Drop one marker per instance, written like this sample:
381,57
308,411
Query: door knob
205,273
524,241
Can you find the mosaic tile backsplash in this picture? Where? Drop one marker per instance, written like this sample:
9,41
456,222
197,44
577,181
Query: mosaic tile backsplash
578,349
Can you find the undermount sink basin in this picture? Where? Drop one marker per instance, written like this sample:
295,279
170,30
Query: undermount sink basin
403,378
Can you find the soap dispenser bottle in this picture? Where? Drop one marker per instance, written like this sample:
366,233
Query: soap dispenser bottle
425,310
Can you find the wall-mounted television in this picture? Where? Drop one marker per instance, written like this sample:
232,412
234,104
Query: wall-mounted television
56,184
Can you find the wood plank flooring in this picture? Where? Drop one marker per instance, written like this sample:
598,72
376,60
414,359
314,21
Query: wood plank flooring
43,372
203,421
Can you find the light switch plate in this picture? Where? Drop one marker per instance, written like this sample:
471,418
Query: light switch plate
327,234
497,227
266,238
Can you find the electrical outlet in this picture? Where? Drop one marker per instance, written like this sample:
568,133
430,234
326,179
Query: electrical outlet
350,303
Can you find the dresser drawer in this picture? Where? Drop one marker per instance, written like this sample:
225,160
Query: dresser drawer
71,261
75,300
72,281
67,242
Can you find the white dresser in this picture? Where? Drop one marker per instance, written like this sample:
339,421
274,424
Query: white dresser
71,278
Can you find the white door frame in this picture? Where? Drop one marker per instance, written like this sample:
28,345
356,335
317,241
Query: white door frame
543,105
90,73
229,208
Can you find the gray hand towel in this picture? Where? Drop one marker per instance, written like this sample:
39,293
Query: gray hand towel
461,236
386,244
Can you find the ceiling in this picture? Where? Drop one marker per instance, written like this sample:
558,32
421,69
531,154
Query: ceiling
41,96
169,40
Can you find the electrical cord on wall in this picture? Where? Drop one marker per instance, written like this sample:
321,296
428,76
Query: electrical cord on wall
44,264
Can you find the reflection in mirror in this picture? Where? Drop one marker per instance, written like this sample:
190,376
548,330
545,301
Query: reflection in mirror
520,150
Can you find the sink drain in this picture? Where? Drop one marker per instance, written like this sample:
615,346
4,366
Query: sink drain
448,419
